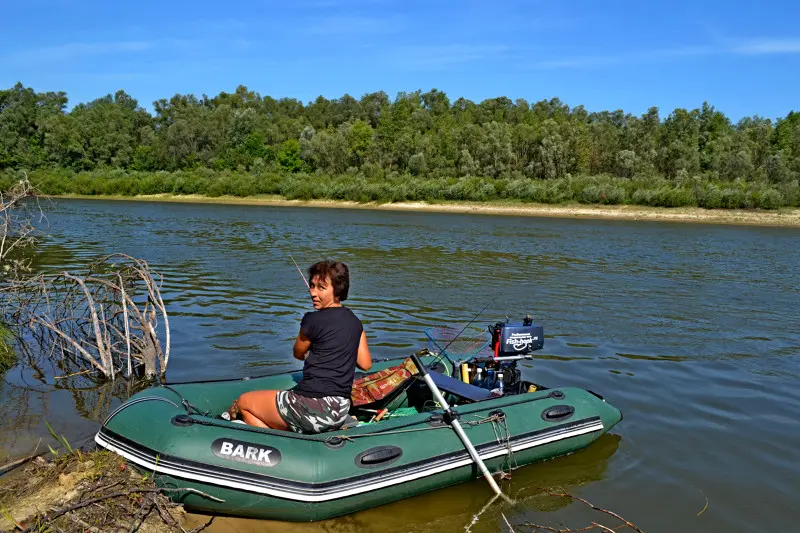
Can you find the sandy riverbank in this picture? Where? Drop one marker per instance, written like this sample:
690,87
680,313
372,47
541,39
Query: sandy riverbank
783,217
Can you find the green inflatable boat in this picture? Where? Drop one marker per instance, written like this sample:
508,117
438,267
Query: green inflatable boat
399,443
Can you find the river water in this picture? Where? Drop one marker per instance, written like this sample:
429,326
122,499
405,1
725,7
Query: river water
691,330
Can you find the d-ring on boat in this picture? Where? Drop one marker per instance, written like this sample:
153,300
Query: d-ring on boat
400,443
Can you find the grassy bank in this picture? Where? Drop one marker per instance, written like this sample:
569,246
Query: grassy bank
395,188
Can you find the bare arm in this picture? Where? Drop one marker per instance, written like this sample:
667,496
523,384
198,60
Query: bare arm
364,359
302,345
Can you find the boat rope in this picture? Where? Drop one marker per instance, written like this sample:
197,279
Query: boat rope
301,436
491,418
393,432
208,421
134,402
187,404
503,437
211,422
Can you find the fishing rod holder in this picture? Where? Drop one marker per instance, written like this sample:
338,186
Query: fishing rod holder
449,415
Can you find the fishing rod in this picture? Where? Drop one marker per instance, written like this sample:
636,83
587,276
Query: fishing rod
301,272
463,329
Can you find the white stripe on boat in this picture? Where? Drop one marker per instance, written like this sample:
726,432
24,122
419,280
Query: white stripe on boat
312,495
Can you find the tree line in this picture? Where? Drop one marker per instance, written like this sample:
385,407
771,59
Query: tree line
420,145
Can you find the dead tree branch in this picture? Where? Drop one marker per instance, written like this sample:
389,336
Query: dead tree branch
136,493
594,526
107,317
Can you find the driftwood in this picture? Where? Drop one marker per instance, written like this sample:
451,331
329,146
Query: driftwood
138,493
106,319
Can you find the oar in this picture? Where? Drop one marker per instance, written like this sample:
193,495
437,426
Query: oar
450,417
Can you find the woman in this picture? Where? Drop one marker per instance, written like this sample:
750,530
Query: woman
332,343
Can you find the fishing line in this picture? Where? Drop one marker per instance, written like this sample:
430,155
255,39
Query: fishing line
464,328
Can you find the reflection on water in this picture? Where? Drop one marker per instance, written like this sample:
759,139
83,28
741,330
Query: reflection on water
453,508
690,330
74,405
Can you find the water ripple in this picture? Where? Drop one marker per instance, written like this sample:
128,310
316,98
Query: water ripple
690,330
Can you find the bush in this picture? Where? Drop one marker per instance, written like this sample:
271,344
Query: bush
190,185
675,197
372,184
768,199
710,197
643,197
602,194
791,193
732,198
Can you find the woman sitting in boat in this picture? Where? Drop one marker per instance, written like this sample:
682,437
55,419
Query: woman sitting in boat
332,343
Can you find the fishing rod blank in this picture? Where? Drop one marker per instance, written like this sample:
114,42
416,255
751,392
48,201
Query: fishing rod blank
301,272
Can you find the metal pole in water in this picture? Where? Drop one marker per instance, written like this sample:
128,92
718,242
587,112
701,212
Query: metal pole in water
437,394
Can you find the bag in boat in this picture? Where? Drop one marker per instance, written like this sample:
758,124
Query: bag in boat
375,387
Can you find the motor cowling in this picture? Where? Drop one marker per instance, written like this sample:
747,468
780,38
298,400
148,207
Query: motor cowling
516,339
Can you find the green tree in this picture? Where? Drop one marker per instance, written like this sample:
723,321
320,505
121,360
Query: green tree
289,156
359,138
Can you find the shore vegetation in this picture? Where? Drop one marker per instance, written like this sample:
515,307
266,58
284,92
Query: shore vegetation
419,146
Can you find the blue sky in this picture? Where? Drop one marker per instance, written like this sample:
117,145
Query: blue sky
743,57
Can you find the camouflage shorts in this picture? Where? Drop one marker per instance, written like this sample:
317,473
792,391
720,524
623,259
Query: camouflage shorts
312,415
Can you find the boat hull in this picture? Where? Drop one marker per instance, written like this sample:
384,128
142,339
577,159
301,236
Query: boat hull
258,473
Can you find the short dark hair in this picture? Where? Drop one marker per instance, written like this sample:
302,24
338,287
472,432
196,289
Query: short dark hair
337,272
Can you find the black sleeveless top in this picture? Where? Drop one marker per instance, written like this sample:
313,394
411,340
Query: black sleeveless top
335,333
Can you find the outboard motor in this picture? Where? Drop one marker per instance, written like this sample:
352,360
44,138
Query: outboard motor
510,340
498,372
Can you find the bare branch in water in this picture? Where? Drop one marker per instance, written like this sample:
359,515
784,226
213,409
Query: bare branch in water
106,317
594,526
564,494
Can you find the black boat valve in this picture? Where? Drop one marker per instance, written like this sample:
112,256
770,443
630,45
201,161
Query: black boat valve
182,420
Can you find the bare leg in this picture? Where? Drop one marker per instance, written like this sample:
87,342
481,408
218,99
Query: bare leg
260,409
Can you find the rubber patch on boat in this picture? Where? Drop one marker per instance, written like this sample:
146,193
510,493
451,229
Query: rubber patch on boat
246,452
